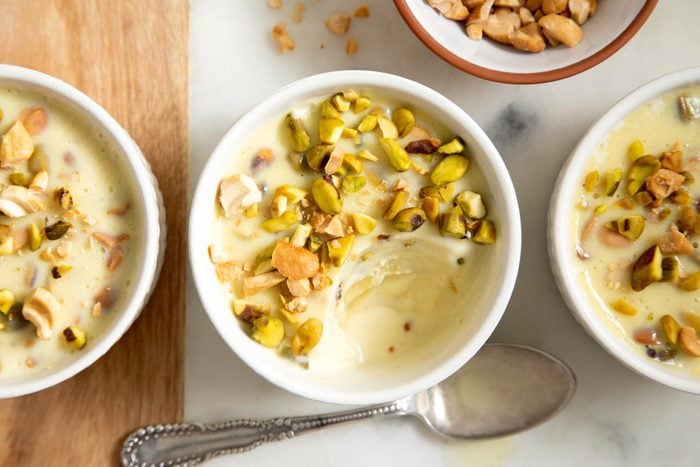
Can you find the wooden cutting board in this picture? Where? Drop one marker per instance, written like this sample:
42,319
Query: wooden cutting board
131,57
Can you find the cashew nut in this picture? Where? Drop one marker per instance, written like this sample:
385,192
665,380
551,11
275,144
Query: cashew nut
41,308
452,9
688,341
238,192
16,147
40,181
18,201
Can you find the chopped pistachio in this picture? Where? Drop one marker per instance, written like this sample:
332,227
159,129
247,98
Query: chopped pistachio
301,235
398,157
624,307
361,104
446,191
691,283
647,269
75,337
307,336
248,311
449,169
19,179
591,180
472,205
7,299
252,210
339,249
35,237
278,205
263,267
362,223
38,161
57,230
352,163
486,233
60,270
636,150
367,124
296,159
456,146
350,133
404,121
365,154
353,183
431,206
330,130
453,223
671,328
639,171
318,156
326,195
612,181
299,136
631,227
328,110
284,222
409,219
600,209
397,204
268,331
387,128
340,102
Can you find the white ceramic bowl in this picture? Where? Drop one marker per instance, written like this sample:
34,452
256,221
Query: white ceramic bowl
148,196
561,242
604,34
396,383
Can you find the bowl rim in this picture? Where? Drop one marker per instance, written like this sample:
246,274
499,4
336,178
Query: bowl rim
151,201
300,90
524,78
559,234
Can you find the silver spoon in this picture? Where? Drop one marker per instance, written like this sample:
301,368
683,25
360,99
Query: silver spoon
503,390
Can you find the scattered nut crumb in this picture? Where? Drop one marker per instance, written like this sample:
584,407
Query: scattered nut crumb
298,12
362,11
276,4
351,47
338,24
285,43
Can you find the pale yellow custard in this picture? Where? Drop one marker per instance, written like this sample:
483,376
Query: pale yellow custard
650,217
70,235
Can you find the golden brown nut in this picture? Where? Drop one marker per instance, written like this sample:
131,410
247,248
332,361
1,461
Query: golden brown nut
293,262
562,29
501,24
452,9
528,38
41,308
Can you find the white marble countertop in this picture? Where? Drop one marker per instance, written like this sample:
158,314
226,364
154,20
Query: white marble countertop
617,417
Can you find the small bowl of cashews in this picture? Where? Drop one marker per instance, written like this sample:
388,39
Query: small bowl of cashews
524,41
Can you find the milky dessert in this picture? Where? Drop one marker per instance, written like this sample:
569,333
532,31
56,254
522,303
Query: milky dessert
352,230
69,235
636,229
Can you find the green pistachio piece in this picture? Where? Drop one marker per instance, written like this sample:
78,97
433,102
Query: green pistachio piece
38,161
430,192
431,206
318,156
268,331
446,191
249,311
453,223
297,160
35,237
301,235
326,195
365,154
297,134
286,221
339,249
361,104
397,203
631,227
486,233
314,243
328,110
330,130
671,268
307,336
7,299
19,179
367,124
387,128
591,181
449,169
363,223
340,102
353,183
647,269
636,150
612,181
409,219
292,193
456,146
398,157
352,163
57,230
263,267
404,121
671,328
75,337
350,133
472,205
690,283
641,169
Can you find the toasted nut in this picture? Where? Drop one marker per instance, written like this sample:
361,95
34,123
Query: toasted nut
682,196
284,222
688,341
7,299
456,146
486,233
387,128
263,267
647,269
564,30
671,268
338,25
361,104
398,157
7,240
237,193
635,150
318,156
690,283
18,201
268,331
423,146
326,195
363,224
526,16
298,134
253,285
431,206
624,307
397,204
299,287
472,205
453,223
353,183
671,328
301,235
75,337
367,124
293,262
449,169
284,41
528,38
642,168
501,24
35,120
249,311
663,183
41,308
553,6
332,226
404,121
335,160
307,336
693,319
409,219
330,130
16,146
690,107
675,243
533,5
339,250
451,9
580,10
477,19
57,230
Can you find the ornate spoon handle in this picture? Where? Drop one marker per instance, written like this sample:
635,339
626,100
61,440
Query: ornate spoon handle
188,444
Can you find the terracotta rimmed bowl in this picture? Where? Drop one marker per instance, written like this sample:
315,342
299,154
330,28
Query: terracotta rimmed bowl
604,34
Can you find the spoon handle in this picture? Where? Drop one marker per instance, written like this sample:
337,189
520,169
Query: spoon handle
188,444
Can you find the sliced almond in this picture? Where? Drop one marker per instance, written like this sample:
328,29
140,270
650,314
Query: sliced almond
35,120
293,262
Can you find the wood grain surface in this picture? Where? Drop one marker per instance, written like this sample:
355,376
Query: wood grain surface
131,57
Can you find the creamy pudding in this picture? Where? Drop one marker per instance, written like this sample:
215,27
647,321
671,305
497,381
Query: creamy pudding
352,231
70,235
636,228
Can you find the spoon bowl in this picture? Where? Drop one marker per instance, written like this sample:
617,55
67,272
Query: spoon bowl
504,389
